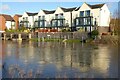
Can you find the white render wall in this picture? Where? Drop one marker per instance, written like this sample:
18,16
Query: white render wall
30,19
10,24
48,17
96,14
104,16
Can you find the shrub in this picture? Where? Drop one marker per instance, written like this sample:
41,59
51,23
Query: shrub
93,34
65,30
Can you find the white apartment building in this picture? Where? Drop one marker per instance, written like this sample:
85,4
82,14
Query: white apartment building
93,15
43,18
86,17
27,19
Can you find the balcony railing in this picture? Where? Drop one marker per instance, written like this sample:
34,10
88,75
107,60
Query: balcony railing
84,21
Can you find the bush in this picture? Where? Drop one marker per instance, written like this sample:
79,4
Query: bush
93,33
65,30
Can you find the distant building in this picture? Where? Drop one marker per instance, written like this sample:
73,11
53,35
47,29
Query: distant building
16,19
6,22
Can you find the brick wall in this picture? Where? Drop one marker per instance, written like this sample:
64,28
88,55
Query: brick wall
2,23
16,18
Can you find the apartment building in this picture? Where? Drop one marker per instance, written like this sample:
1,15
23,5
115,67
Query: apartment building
87,17
27,20
93,16
43,19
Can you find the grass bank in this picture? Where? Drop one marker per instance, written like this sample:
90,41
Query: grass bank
59,40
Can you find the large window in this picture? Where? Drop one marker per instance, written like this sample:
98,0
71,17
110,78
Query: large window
36,24
41,21
81,13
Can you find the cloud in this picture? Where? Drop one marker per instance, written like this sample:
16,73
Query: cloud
5,7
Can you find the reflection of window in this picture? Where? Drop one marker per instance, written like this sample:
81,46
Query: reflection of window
81,13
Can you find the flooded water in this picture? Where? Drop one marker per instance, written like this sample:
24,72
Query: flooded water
57,60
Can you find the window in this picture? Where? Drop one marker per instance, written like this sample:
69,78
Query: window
36,24
77,22
39,17
95,22
87,13
61,15
26,18
43,17
81,13
56,16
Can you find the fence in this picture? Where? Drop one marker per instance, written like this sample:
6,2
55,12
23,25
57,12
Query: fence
23,36
63,35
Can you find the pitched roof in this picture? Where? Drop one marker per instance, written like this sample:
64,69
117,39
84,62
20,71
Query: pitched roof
31,14
77,8
96,6
48,12
7,17
68,9
18,15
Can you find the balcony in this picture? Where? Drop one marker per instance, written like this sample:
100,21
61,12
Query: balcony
84,21
24,23
58,21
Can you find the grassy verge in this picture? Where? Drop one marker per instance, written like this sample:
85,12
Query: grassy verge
57,40
46,40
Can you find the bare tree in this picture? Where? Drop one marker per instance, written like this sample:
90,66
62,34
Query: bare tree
114,22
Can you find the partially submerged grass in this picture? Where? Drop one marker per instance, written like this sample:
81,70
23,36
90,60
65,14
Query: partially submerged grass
56,40
62,40
46,40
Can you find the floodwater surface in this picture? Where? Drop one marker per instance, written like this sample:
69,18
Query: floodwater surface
26,59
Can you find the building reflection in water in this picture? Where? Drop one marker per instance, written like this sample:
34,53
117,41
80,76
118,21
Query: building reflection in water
86,59
101,60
